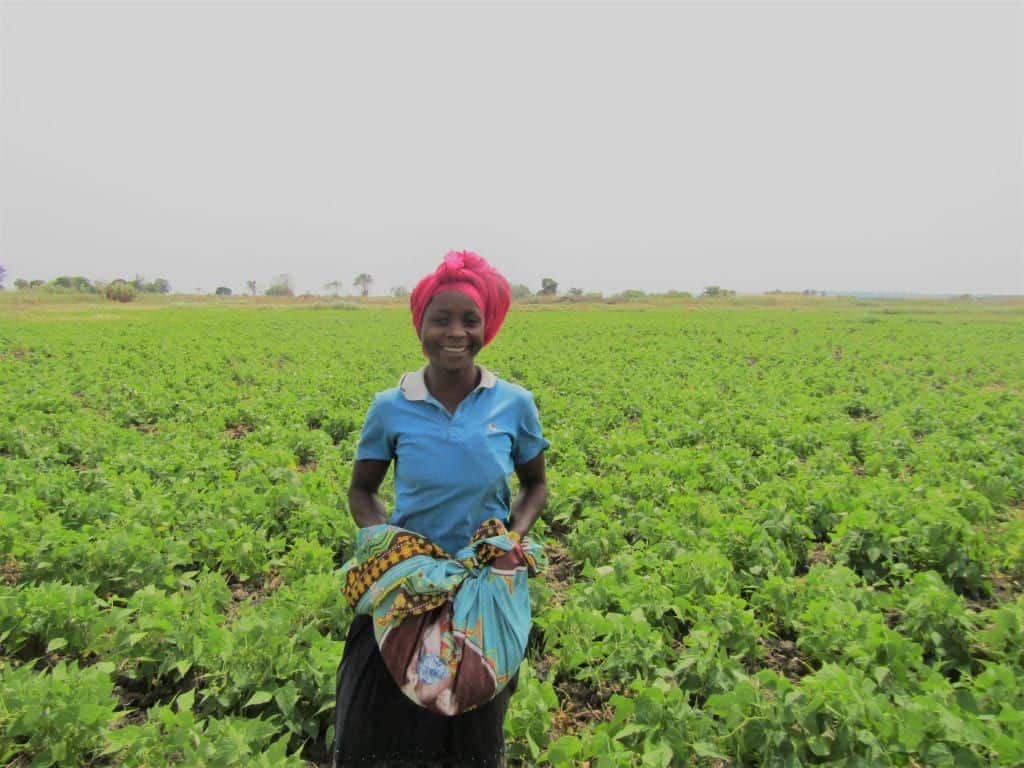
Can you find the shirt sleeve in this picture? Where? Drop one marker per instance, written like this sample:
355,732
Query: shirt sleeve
529,440
377,439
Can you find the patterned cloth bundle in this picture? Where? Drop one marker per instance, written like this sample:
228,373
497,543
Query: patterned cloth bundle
452,631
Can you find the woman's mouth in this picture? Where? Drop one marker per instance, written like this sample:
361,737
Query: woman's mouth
454,350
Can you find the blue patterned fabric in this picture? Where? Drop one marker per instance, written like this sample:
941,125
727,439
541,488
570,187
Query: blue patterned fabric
452,631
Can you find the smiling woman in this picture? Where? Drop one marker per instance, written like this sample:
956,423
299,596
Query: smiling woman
455,433
452,334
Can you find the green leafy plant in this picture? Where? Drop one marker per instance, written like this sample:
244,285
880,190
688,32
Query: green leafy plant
60,717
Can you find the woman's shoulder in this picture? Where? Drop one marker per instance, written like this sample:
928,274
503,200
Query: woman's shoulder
410,387
510,390
386,400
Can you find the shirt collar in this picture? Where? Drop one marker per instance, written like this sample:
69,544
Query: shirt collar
414,385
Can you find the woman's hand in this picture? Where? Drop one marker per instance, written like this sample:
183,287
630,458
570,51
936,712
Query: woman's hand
366,506
532,496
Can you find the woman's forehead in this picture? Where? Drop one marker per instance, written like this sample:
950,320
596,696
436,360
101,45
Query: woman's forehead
451,301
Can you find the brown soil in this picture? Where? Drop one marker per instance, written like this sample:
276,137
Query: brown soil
1005,587
580,704
257,590
238,430
131,717
10,571
560,564
561,571
784,657
135,697
818,556
543,665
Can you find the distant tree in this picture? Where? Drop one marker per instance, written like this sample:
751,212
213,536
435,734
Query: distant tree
680,294
717,291
631,294
520,291
160,285
400,292
548,287
334,286
21,284
363,282
223,290
3,274
37,284
76,283
281,286
120,290
250,285
575,291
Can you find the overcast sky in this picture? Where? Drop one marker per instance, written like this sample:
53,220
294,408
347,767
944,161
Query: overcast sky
873,147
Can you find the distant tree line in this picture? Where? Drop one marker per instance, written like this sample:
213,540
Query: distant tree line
283,285
806,292
549,287
116,290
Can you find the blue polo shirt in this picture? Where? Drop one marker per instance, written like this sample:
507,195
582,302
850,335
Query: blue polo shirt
451,469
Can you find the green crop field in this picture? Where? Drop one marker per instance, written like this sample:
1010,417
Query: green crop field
784,535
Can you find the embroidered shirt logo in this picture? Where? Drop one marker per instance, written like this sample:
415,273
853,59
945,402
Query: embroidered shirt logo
492,427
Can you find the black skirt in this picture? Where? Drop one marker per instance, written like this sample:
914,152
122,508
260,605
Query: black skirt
376,726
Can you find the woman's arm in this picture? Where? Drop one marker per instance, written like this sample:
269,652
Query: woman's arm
363,502
532,496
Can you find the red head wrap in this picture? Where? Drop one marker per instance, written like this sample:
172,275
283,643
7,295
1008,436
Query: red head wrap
469,273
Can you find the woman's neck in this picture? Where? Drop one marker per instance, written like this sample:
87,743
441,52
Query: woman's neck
451,387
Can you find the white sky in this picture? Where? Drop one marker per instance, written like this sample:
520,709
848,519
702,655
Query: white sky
874,146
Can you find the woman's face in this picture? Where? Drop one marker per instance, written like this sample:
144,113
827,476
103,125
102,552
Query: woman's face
453,331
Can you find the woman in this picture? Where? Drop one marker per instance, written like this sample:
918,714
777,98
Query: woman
455,433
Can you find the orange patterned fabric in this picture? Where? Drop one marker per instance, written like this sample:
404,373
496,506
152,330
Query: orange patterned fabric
401,547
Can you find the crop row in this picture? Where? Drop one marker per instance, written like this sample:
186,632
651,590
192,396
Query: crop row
777,537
